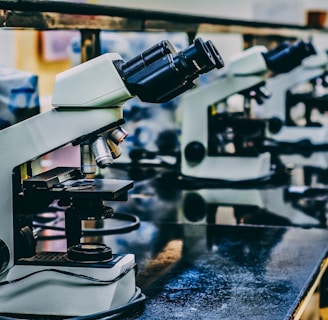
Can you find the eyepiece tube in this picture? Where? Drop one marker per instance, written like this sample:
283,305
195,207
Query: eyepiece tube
286,57
147,57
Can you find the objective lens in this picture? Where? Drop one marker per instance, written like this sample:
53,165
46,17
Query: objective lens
115,149
88,163
118,135
102,153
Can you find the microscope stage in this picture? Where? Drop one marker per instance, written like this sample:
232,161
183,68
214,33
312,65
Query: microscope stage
65,181
107,189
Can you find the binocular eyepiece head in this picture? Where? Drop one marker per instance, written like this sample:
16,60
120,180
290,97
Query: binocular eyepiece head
161,73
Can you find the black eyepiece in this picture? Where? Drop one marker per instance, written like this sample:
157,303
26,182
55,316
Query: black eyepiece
218,61
160,73
203,56
286,57
147,57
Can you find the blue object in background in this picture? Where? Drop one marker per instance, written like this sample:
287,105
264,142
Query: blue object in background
19,96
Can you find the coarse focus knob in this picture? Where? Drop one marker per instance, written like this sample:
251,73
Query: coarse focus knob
194,152
275,125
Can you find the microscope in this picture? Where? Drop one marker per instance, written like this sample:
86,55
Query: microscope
87,278
293,91
217,143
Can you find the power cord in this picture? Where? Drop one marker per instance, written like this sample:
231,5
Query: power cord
72,274
138,298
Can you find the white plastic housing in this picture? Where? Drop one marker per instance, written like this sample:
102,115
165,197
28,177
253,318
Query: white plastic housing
51,293
248,62
320,59
95,83
194,127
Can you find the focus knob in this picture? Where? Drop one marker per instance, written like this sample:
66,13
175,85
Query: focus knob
275,125
194,152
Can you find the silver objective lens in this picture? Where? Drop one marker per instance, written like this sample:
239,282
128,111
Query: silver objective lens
102,153
88,163
118,135
114,148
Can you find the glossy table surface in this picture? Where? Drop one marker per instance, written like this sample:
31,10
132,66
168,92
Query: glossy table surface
222,272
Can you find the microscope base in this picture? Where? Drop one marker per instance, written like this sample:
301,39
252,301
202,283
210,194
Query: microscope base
52,293
230,168
317,136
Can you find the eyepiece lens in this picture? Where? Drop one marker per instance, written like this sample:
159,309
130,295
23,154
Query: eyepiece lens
285,58
215,54
203,56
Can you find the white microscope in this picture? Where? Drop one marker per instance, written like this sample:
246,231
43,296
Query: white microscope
216,144
292,92
88,278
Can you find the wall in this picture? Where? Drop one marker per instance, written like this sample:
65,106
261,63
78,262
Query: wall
28,57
